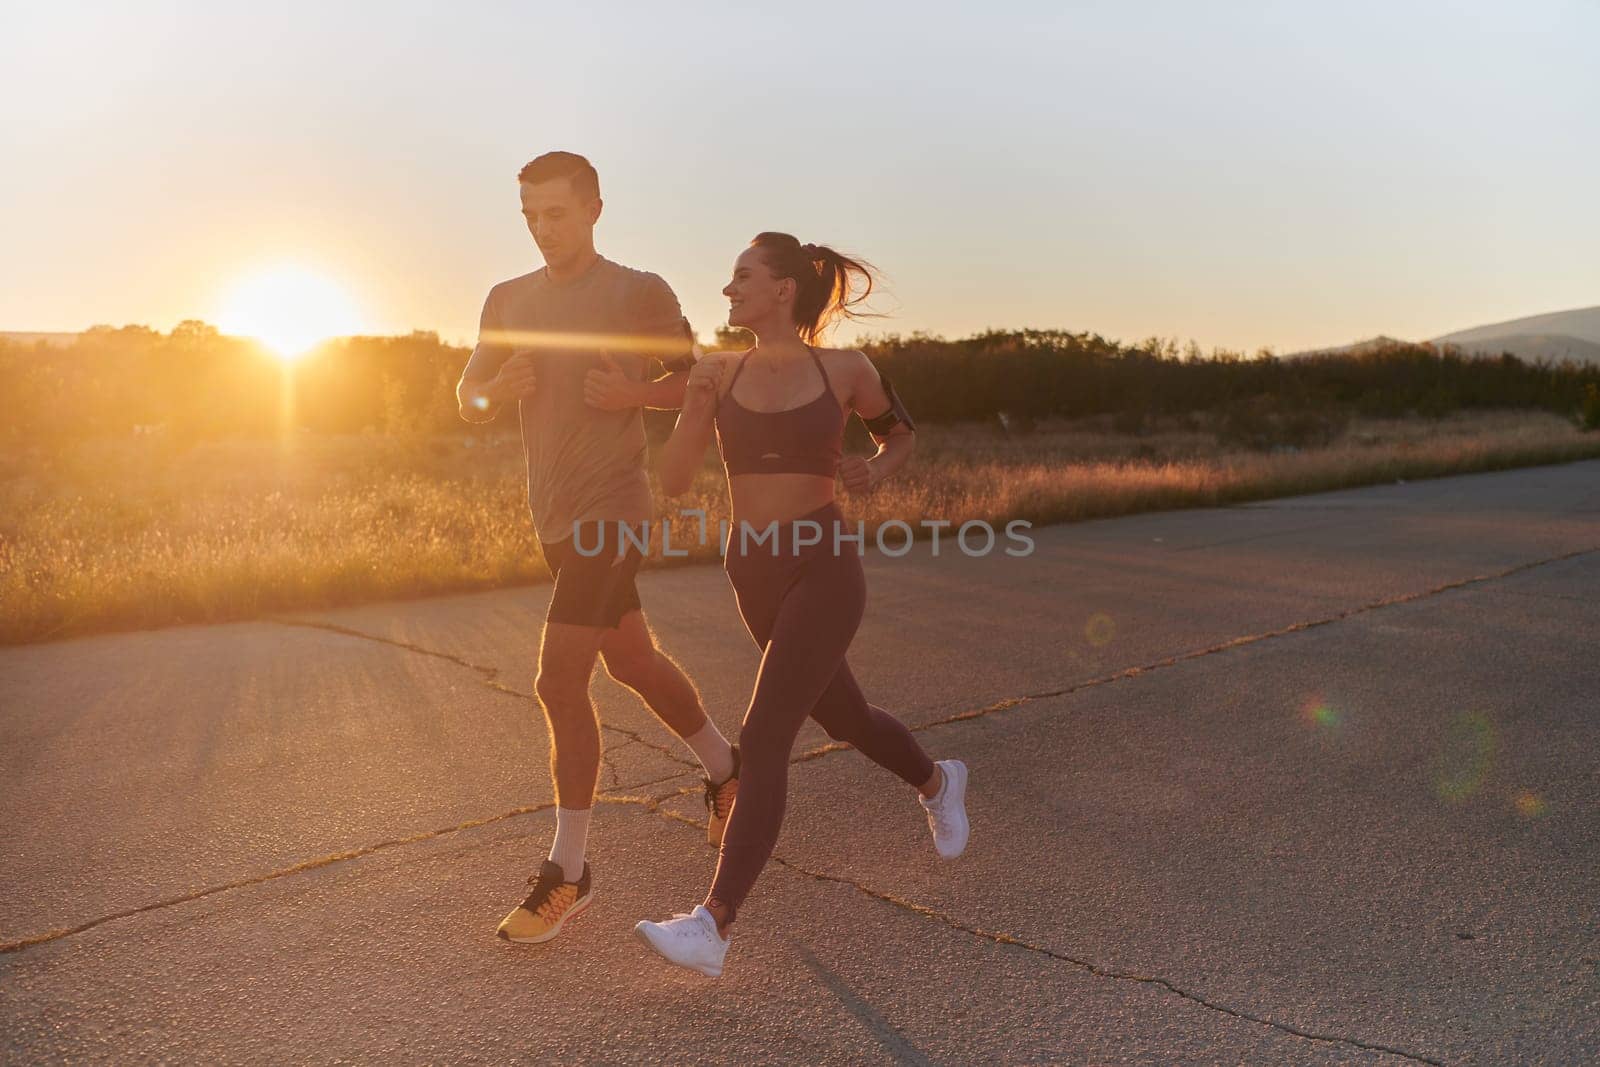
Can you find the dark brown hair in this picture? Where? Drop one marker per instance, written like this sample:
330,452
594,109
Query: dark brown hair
579,171
831,285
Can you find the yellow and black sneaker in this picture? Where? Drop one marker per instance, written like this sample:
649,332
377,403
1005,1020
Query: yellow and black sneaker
546,910
719,802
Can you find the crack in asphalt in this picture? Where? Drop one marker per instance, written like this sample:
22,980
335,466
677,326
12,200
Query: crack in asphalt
330,859
491,675
606,754
257,879
607,767
634,738
1006,703
653,805
1089,966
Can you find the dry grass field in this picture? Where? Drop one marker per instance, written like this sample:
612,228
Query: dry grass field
141,533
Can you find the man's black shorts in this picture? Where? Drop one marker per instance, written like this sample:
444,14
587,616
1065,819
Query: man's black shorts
593,588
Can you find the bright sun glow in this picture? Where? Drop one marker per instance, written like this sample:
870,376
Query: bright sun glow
289,309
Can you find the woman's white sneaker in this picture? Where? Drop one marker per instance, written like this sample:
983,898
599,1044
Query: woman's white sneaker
688,940
947,810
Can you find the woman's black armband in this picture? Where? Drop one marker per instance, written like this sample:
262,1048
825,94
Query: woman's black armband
897,413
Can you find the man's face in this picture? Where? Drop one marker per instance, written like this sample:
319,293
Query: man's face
561,221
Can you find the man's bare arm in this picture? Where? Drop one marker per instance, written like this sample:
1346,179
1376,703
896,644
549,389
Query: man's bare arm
476,398
481,401
473,403
608,389
665,391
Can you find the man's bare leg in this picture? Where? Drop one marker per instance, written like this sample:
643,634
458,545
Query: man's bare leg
566,660
562,888
634,660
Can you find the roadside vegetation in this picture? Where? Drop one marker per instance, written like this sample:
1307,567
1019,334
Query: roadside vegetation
161,479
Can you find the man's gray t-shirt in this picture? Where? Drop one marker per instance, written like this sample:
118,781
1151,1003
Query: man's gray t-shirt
583,463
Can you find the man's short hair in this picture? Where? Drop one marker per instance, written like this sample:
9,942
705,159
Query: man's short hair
579,171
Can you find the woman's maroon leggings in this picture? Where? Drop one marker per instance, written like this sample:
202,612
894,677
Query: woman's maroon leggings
802,608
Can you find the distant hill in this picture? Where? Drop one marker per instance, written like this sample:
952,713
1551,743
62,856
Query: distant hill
1349,350
1532,347
1583,324
1557,336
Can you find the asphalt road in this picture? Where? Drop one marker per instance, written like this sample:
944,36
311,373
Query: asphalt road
1308,781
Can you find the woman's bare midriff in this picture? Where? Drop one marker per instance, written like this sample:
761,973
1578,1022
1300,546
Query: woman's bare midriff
759,499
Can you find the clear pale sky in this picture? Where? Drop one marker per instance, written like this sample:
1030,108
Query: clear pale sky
1243,174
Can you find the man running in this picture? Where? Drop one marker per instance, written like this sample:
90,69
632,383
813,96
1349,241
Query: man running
570,344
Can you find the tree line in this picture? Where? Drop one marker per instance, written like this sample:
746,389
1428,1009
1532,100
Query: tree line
194,383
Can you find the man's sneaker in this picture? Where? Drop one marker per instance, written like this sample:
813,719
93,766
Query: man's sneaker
947,812
547,909
688,940
719,802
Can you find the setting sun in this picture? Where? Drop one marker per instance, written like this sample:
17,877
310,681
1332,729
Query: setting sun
289,309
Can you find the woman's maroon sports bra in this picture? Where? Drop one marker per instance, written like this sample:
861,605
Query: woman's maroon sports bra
805,440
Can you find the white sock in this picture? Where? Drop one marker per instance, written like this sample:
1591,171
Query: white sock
713,751
572,835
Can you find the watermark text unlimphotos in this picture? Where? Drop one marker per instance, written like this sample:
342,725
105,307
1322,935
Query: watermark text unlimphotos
892,537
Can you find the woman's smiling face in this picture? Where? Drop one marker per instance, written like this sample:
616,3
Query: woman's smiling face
755,293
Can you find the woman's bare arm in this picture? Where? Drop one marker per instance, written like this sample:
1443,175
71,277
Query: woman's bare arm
895,445
685,450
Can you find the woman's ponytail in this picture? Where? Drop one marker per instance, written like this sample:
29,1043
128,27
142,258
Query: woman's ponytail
831,285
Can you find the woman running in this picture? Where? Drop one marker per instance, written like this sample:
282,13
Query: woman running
779,415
